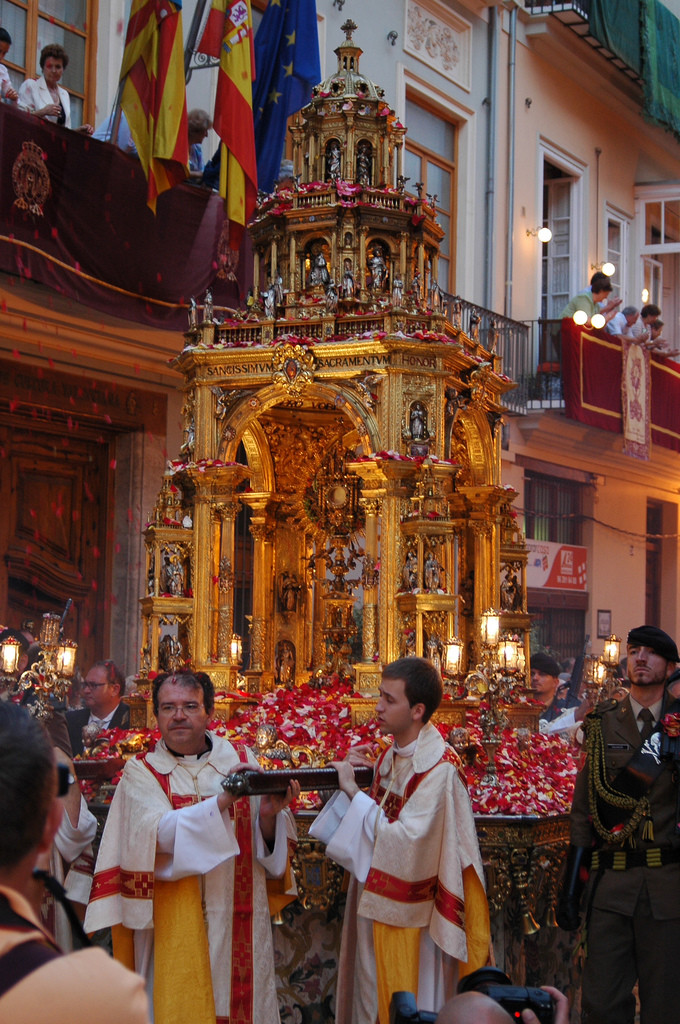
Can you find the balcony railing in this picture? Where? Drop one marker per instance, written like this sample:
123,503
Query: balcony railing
579,7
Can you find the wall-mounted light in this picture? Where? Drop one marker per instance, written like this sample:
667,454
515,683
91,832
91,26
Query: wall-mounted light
393,36
580,317
543,234
607,268
598,320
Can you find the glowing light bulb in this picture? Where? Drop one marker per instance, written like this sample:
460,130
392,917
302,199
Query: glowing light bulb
544,234
608,269
598,320
580,317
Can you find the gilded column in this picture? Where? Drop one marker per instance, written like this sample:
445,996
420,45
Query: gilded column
274,259
403,239
225,581
262,571
201,565
370,578
292,270
362,263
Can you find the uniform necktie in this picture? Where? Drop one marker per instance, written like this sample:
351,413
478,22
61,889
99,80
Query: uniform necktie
647,718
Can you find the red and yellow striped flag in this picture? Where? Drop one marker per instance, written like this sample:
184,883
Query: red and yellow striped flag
229,35
154,93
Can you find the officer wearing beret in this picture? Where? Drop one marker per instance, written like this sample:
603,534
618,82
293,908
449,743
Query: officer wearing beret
625,842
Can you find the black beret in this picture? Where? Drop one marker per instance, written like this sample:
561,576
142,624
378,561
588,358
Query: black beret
653,637
541,662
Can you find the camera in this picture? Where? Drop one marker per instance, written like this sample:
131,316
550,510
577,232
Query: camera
403,1010
494,983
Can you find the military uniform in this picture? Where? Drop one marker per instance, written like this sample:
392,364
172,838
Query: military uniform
633,922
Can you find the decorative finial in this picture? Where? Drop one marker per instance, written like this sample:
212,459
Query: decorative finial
348,28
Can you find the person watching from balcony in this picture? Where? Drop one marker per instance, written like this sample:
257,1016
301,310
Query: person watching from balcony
43,96
588,301
7,91
623,320
642,329
199,123
123,137
657,343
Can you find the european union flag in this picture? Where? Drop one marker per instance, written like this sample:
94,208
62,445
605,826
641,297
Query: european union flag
287,66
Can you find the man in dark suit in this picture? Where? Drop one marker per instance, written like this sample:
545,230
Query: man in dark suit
624,815
103,688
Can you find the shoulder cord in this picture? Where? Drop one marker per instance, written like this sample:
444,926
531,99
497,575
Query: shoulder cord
598,786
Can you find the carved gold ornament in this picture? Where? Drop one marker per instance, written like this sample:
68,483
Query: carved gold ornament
293,367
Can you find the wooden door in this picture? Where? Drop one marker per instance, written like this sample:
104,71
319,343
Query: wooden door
54,491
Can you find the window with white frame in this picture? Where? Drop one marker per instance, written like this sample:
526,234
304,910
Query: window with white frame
33,24
430,159
617,248
562,191
657,223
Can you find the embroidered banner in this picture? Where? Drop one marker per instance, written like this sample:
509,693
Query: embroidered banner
635,382
591,376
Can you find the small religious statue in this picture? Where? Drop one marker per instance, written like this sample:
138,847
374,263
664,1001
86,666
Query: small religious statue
432,652
475,320
278,288
173,572
417,288
269,300
348,281
378,269
193,313
208,308
170,654
433,292
401,182
285,664
432,573
333,160
289,588
331,297
397,291
418,422
364,161
511,594
409,572
319,272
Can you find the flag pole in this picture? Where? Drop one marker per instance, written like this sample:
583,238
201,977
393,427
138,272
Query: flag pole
192,37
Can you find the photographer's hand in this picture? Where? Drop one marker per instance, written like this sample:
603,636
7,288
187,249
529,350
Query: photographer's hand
561,1008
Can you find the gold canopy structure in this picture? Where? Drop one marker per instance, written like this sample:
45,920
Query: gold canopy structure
349,414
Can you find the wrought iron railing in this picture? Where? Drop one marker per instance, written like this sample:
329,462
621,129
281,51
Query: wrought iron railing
530,352
581,7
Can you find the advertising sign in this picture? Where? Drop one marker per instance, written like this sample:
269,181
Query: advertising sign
557,566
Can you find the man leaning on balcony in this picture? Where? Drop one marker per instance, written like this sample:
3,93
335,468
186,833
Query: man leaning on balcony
588,301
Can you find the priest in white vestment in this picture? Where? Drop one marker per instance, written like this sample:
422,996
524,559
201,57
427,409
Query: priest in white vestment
416,916
182,869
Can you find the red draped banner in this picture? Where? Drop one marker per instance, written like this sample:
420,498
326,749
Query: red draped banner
592,367
73,216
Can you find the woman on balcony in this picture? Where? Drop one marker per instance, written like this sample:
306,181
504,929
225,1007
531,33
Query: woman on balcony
588,301
43,96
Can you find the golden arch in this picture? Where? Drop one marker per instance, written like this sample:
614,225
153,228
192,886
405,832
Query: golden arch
245,426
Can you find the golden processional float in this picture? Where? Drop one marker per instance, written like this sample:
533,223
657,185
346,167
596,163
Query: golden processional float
348,421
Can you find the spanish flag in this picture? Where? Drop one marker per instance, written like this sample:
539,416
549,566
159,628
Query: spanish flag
154,94
228,35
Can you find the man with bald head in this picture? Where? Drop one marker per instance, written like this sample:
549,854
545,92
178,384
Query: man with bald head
624,814
477,1008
